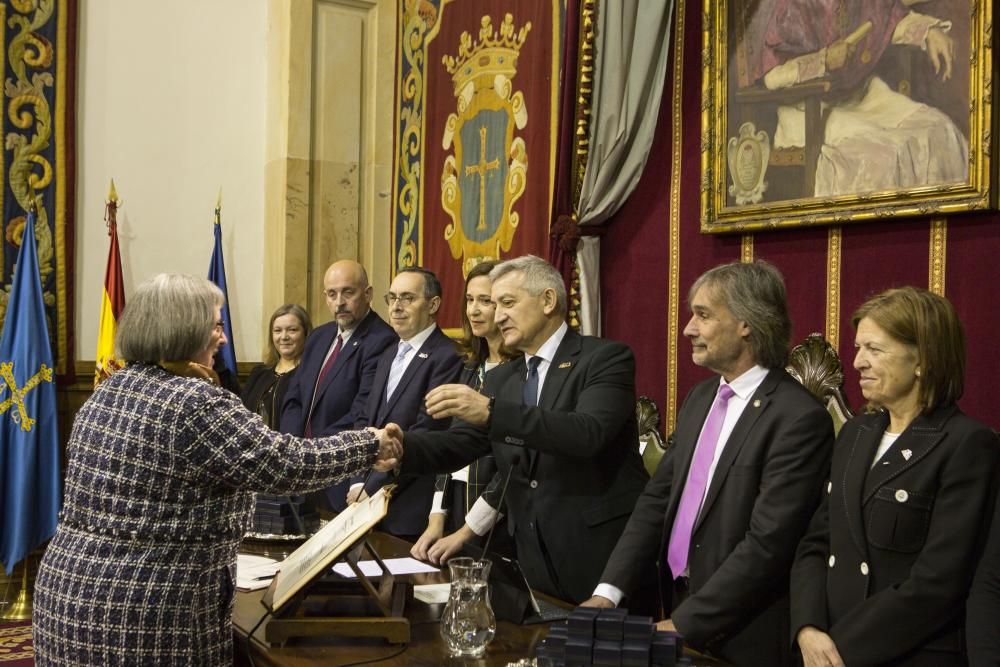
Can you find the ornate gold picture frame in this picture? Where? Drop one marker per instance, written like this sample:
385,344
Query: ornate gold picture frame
832,111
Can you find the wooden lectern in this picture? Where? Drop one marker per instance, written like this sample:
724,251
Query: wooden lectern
306,600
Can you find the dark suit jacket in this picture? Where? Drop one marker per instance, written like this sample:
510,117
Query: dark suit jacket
889,557
763,492
983,607
578,472
341,400
436,363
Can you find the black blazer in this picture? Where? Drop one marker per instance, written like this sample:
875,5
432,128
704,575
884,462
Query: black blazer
887,564
341,400
983,607
436,363
763,492
578,473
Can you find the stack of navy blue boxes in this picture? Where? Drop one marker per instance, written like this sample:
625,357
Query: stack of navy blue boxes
276,515
610,637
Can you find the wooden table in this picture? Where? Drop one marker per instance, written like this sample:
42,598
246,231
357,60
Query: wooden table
426,648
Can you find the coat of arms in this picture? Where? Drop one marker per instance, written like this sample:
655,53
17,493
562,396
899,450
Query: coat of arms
486,174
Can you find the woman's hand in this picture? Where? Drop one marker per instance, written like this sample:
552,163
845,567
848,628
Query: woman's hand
390,447
433,533
818,649
446,547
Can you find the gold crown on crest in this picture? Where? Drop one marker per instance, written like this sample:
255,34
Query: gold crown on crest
494,53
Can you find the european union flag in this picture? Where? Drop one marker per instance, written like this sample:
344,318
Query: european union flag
30,482
217,274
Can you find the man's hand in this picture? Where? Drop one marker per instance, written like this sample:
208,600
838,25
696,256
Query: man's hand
431,534
599,602
458,400
818,649
447,547
941,50
390,448
666,626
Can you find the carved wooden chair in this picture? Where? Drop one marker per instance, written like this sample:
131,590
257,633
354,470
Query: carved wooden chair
817,366
651,443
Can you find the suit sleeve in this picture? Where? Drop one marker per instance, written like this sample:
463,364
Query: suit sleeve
983,607
641,540
940,578
606,401
797,462
444,451
808,576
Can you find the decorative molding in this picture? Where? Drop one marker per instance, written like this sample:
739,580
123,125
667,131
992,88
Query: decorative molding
833,244
746,248
584,96
937,256
673,281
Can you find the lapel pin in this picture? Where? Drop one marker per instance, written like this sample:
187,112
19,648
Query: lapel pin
422,355
355,343
907,453
756,402
566,364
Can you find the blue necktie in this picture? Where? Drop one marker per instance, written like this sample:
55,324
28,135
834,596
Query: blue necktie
530,392
398,366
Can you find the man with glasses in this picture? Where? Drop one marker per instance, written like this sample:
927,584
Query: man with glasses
423,359
328,393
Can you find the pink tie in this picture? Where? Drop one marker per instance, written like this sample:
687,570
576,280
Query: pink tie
323,371
697,480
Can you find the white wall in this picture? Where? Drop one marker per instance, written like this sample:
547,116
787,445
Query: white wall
171,104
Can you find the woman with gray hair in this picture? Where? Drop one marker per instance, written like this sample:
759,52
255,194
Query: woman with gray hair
162,465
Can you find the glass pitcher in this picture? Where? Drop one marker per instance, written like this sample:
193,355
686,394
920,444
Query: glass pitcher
468,623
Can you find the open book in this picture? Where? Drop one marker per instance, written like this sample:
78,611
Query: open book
321,550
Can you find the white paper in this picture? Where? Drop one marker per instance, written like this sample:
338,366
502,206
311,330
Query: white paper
396,566
432,593
254,572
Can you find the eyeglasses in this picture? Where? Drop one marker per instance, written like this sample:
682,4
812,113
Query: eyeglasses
220,325
405,299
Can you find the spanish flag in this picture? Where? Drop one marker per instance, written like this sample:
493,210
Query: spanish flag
112,299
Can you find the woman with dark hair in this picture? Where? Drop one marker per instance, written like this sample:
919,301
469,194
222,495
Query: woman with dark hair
469,496
265,389
159,488
882,575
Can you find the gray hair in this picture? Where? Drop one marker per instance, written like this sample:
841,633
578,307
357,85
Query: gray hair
539,276
754,293
171,316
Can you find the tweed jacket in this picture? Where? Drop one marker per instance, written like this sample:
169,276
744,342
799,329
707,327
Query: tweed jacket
889,556
141,570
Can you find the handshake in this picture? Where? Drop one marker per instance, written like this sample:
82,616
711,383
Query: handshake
390,447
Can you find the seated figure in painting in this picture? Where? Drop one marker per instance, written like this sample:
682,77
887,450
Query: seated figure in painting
874,138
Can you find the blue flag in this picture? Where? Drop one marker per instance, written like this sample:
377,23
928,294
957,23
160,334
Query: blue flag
217,274
30,481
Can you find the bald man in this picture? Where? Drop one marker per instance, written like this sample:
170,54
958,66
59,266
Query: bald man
329,392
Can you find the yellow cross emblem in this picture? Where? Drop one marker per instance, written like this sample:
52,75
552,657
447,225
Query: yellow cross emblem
16,398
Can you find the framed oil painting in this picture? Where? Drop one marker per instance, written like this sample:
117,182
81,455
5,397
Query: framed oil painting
835,111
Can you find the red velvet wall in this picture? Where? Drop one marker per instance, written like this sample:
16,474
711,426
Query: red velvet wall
637,254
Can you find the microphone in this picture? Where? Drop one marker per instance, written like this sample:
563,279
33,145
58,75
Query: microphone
514,462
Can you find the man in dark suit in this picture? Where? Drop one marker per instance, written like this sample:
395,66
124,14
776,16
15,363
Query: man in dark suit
742,475
329,391
560,421
424,358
